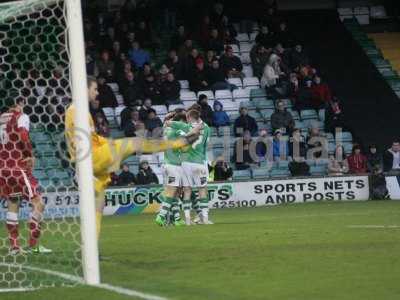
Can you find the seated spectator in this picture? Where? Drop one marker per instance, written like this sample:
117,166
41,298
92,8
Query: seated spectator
138,56
279,146
133,124
204,31
114,179
216,78
221,170
131,90
259,57
191,61
283,54
297,144
185,49
106,95
298,57
334,117
207,113
170,90
262,145
144,109
126,177
215,42
283,36
271,78
105,66
282,119
101,125
145,36
245,123
374,159
266,38
299,167
151,90
153,124
220,117
338,164
241,152
391,158
145,72
179,37
175,65
210,57
146,174
357,161
305,96
231,64
198,79
228,38
293,87
315,142
162,74
321,94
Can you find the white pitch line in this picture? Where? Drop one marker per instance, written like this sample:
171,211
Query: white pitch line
79,280
13,290
374,226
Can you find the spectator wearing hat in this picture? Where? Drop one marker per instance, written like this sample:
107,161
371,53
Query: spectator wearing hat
245,123
146,175
153,124
391,158
170,90
220,117
198,79
374,158
126,177
106,95
357,161
231,64
282,119
207,114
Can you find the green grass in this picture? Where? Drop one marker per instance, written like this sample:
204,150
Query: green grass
306,251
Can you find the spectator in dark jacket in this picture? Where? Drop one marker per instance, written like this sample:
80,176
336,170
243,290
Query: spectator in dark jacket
215,42
334,117
151,90
305,96
207,113
321,93
216,77
222,170
245,123
281,118
265,38
144,109
262,145
299,167
170,90
131,90
297,144
126,177
153,124
146,174
133,125
391,157
175,65
198,78
96,110
106,95
231,64
241,152
357,161
298,57
259,58
220,117
374,158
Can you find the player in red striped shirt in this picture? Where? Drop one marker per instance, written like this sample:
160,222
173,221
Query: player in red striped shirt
16,178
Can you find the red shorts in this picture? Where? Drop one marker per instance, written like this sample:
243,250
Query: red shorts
17,182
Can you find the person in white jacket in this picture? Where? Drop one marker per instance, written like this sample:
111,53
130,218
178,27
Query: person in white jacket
272,73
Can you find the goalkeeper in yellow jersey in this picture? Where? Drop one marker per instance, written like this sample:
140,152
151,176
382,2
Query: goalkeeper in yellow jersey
107,154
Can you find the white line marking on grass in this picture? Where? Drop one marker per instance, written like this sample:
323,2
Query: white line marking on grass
17,290
374,226
79,280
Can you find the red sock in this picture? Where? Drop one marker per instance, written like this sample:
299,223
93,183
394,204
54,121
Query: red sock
34,227
12,228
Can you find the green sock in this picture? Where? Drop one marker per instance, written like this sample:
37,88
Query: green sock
175,210
166,206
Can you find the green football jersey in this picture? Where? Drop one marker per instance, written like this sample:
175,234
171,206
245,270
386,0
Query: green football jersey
175,131
197,152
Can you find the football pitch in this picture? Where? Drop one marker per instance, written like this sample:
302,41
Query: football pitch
331,250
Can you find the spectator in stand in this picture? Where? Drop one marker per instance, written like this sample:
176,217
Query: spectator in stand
293,88
151,90
153,124
106,95
116,50
207,113
179,38
282,119
185,49
204,31
259,57
105,66
114,179
265,38
262,145
220,170
133,125
220,117
321,93
338,164
131,90
176,65
298,57
315,141
144,35
374,158
192,60
143,73
279,146
391,158
283,36
245,123
297,144
334,117
210,57
305,96
198,78
241,152
357,161
215,42
216,78
138,56
170,90
283,54
299,167
146,174
228,31
101,125
231,64
162,75
271,77
144,110
126,177
228,38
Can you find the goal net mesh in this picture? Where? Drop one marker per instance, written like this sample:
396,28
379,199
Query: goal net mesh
35,65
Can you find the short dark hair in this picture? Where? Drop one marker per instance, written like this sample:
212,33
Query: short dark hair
91,80
195,114
180,116
195,106
202,96
151,110
396,141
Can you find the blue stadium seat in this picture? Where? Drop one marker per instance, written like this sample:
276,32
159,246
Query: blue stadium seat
319,170
278,173
347,137
308,114
260,173
321,114
267,113
283,164
348,147
241,175
257,93
263,103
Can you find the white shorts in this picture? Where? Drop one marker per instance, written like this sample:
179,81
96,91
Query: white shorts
195,175
173,175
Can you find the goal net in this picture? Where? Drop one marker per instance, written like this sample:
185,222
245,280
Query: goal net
35,66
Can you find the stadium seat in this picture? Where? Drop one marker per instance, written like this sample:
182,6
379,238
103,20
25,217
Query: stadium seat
245,58
189,103
346,137
267,113
245,47
241,175
330,137
151,158
256,115
288,103
318,170
278,173
40,137
250,105
241,94
263,103
114,87
247,71
251,82
172,107
160,109
109,112
300,125
235,48
118,111
253,36
308,114
208,93
331,147
283,164
348,147
258,93
242,37
312,123
188,96
223,94
295,115
40,174
321,115
236,81
321,161
115,133
184,84
229,105
260,173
